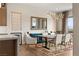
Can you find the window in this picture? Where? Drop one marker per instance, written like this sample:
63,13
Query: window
70,24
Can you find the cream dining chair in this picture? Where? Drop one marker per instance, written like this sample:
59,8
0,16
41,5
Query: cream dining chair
56,42
68,39
30,41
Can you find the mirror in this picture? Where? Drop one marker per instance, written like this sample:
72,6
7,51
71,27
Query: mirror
38,23
34,23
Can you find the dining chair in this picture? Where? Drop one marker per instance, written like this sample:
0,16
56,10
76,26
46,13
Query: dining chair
56,42
30,41
68,39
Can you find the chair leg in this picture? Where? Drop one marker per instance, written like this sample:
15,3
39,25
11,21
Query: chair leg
65,45
49,45
69,44
36,45
43,44
55,49
60,47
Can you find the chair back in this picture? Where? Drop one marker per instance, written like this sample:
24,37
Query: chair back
27,37
59,38
68,37
30,40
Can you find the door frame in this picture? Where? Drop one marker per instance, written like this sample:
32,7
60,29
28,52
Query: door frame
13,12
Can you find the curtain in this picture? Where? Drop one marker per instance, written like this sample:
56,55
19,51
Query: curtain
65,15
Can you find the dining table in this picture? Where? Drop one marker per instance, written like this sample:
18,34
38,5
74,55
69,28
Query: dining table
46,37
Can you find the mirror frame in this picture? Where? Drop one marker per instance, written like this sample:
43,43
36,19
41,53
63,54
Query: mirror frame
37,23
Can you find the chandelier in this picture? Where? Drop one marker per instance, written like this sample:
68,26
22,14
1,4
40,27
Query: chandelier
59,16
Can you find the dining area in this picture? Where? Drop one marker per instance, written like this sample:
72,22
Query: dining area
55,42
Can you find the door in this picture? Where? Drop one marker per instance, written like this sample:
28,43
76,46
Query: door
16,24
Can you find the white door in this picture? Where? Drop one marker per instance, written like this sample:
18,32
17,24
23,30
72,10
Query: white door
16,21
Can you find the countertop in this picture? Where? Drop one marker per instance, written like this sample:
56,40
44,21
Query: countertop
8,37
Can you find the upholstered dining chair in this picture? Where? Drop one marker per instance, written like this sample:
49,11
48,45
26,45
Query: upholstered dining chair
68,39
30,41
56,42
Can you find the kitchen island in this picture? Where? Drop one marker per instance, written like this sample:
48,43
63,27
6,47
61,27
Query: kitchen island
8,45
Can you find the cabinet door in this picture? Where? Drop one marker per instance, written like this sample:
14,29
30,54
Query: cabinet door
3,17
8,47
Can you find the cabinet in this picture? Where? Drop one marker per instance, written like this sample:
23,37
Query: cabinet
3,16
8,47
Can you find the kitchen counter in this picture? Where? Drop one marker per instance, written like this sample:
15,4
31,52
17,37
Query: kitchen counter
8,37
8,45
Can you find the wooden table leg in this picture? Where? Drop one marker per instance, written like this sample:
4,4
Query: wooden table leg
46,43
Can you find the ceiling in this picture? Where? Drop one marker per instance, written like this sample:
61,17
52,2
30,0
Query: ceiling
53,7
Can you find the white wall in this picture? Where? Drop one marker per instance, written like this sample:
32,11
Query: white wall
3,29
51,23
27,12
